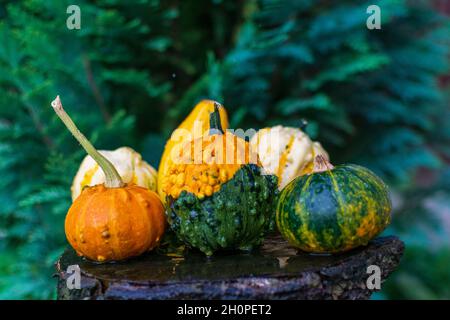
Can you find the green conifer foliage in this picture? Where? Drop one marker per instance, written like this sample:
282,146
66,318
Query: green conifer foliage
136,68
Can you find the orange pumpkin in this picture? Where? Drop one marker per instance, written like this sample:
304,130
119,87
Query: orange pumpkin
111,221
114,223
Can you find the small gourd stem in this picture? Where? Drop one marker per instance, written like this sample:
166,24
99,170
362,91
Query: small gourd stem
112,177
215,126
322,164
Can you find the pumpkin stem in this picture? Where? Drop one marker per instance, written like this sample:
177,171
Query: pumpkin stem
322,164
113,179
215,127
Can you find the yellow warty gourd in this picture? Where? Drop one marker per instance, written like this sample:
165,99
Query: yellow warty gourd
286,152
206,178
199,116
128,163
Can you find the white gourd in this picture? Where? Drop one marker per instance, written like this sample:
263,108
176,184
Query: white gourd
286,152
129,165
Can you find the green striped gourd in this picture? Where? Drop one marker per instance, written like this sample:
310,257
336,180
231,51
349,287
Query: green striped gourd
333,209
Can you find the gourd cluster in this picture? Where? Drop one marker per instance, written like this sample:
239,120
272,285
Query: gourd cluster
230,199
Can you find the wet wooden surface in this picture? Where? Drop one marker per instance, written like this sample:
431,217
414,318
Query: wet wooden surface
274,271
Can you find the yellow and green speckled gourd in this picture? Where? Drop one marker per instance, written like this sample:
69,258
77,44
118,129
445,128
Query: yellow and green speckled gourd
333,209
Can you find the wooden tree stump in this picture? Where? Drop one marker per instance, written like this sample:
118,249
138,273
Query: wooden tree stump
275,271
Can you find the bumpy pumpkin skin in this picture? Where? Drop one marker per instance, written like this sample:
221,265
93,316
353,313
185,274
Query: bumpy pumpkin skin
214,169
333,211
235,217
201,112
110,224
218,197
128,163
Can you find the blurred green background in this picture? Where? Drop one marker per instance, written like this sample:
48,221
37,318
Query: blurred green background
135,68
